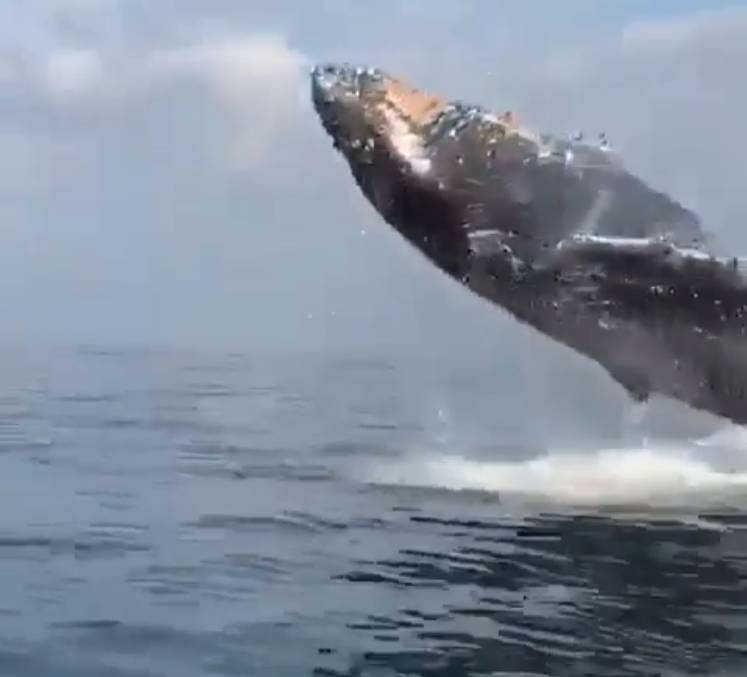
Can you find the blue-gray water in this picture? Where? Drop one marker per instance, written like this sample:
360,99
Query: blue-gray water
229,514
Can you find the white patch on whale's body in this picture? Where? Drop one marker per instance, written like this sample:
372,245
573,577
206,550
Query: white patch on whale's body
483,233
408,145
633,244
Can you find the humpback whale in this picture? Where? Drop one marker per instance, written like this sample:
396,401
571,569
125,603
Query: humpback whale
555,231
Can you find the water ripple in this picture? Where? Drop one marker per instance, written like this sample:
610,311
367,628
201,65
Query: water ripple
166,514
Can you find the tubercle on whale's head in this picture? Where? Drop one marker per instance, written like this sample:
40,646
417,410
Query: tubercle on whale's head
362,108
366,108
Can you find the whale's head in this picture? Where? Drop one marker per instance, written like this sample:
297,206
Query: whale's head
444,173
385,129
460,182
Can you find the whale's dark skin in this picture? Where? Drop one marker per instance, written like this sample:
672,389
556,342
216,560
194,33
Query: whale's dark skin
558,233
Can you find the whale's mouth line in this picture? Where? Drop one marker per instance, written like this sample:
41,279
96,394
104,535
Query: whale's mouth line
411,120
345,81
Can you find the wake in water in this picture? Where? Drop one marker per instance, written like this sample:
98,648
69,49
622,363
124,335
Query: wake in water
710,472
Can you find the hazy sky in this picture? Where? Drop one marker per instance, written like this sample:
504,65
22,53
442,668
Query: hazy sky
164,179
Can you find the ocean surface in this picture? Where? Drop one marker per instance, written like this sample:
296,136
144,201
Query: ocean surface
190,514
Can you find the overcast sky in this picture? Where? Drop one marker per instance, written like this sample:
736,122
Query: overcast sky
164,180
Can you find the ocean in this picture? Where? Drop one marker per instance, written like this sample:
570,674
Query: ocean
183,513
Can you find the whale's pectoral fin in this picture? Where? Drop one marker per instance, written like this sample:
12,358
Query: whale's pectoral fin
672,319
653,261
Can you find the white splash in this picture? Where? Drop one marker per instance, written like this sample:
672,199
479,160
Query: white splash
657,476
730,437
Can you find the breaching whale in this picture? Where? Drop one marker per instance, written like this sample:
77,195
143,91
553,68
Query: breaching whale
555,231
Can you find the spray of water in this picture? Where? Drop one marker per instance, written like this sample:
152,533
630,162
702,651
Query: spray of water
706,472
